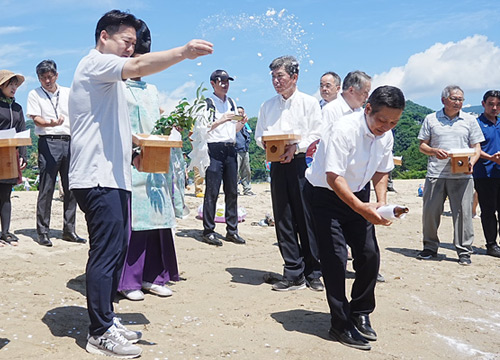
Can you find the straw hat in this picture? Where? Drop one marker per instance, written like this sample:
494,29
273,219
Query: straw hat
6,75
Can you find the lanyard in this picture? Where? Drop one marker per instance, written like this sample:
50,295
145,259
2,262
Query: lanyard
51,103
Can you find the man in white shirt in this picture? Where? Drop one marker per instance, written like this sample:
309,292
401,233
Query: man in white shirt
221,139
292,110
48,107
358,151
329,87
355,91
100,171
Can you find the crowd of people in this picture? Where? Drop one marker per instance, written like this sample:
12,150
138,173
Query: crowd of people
322,210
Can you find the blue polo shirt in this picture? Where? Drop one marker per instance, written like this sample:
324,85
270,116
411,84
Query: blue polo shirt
486,168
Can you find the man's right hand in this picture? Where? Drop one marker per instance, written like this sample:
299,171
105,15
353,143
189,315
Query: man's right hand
196,48
441,154
369,212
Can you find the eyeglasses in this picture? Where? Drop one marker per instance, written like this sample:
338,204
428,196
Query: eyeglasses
48,76
455,99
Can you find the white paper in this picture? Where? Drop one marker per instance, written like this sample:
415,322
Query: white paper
280,132
462,152
387,212
8,134
23,134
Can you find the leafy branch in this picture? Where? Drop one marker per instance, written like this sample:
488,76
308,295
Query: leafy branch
183,116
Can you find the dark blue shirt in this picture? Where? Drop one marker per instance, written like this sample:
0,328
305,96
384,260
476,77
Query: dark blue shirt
486,168
242,140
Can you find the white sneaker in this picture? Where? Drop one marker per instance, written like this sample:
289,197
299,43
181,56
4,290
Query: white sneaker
134,295
112,343
130,335
157,289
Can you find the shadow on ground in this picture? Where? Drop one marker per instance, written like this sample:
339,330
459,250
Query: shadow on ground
304,321
78,284
73,322
252,276
4,342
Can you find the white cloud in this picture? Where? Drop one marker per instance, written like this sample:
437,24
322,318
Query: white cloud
168,100
5,30
12,54
471,63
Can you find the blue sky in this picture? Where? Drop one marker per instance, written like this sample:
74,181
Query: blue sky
420,46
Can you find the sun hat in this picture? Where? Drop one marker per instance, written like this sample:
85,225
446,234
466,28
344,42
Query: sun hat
6,75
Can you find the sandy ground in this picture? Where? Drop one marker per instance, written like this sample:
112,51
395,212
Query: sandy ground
223,309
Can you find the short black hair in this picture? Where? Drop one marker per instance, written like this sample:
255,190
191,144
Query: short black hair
46,66
388,96
112,20
241,107
491,93
143,44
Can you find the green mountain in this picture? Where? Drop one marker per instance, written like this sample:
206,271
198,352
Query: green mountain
406,143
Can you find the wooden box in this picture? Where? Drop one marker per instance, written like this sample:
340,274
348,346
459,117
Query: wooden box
9,165
460,160
398,160
275,145
155,152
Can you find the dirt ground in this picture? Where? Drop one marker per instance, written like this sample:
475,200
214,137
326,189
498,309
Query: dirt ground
223,309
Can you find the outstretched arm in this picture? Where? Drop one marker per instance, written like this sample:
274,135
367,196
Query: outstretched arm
155,62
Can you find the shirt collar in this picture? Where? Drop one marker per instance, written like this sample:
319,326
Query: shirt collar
442,115
216,98
366,129
283,100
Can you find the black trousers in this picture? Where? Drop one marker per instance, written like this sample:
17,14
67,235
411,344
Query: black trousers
53,158
223,167
5,206
107,214
293,221
488,195
336,225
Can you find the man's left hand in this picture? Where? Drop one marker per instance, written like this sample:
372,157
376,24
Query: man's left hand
289,153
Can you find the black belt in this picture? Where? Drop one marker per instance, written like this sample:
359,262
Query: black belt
57,137
223,143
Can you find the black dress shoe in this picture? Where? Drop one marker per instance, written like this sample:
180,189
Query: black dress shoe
351,338
235,238
493,250
43,239
362,324
315,284
212,239
72,237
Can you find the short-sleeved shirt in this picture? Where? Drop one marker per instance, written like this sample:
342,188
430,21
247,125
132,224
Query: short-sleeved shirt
353,152
44,103
101,144
491,145
299,113
445,133
225,132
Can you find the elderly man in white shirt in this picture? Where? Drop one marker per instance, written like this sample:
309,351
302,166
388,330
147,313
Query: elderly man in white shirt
329,86
48,108
358,150
292,110
355,91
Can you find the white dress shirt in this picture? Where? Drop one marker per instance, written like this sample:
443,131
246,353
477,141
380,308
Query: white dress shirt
44,103
333,111
353,152
299,113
